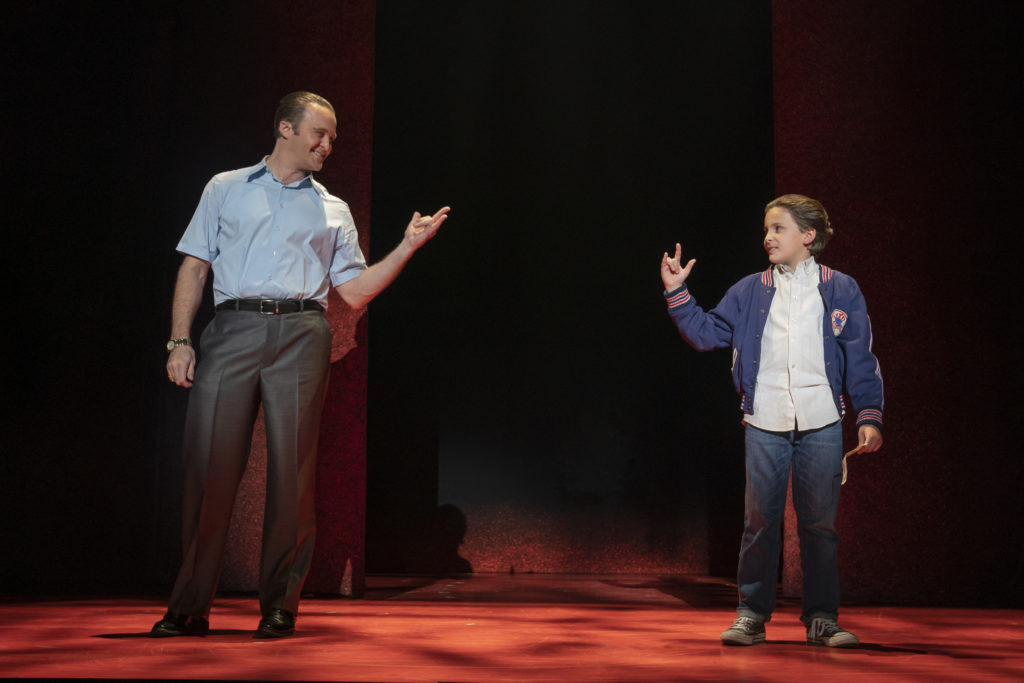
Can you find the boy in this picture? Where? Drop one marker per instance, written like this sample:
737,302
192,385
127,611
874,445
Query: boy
800,335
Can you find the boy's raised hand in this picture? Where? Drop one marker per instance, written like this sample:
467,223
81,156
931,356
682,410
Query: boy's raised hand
673,273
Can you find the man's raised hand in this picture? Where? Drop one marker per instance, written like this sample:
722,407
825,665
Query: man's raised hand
422,228
673,273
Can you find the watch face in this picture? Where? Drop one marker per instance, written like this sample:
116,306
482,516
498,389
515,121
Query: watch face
170,345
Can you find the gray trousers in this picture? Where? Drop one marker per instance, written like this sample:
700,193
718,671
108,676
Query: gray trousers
248,358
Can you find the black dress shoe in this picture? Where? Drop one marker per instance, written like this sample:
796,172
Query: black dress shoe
179,625
277,623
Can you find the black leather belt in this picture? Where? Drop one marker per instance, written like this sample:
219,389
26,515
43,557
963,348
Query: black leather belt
269,306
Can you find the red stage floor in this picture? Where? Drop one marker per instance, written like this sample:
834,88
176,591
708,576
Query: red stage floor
507,628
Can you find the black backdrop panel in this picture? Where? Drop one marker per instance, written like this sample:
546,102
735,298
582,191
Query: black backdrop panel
528,395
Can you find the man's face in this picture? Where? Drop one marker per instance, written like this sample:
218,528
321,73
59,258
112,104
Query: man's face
783,240
308,143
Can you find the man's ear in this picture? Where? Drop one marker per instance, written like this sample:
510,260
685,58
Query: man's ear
807,236
285,128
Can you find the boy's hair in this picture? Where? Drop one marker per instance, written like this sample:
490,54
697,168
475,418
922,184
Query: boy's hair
807,213
292,108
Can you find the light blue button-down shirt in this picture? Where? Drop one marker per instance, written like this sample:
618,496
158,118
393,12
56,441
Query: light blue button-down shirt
266,240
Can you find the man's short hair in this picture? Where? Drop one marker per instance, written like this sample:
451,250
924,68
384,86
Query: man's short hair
292,108
807,213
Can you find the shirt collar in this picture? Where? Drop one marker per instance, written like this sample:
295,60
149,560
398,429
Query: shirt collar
307,182
806,267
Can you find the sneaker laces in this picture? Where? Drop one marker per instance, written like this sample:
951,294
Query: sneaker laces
822,627
745,623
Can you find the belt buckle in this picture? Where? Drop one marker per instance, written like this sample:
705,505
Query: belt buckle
269,301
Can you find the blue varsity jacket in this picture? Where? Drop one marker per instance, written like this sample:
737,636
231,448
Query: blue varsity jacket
739,319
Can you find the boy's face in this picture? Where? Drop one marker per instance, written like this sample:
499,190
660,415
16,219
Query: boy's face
785,243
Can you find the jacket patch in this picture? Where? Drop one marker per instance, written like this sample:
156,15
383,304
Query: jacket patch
838,321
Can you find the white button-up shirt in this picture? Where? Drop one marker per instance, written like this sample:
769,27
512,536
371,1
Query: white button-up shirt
792,389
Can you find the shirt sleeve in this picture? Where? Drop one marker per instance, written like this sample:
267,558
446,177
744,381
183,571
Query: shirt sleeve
348,261
200,238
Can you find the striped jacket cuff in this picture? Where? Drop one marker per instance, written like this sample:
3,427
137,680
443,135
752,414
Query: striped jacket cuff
678,297
869,416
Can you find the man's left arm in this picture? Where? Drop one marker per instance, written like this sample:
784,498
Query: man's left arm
360,290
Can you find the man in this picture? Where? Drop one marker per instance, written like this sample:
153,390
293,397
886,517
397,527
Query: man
276,240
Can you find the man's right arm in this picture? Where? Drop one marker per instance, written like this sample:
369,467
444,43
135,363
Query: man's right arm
188,294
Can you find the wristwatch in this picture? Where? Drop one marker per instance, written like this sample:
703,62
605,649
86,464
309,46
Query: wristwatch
175,343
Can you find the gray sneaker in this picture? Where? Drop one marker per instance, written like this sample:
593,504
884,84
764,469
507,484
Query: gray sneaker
828,633
744,631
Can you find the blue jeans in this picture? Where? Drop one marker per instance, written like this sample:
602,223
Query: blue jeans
816,457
